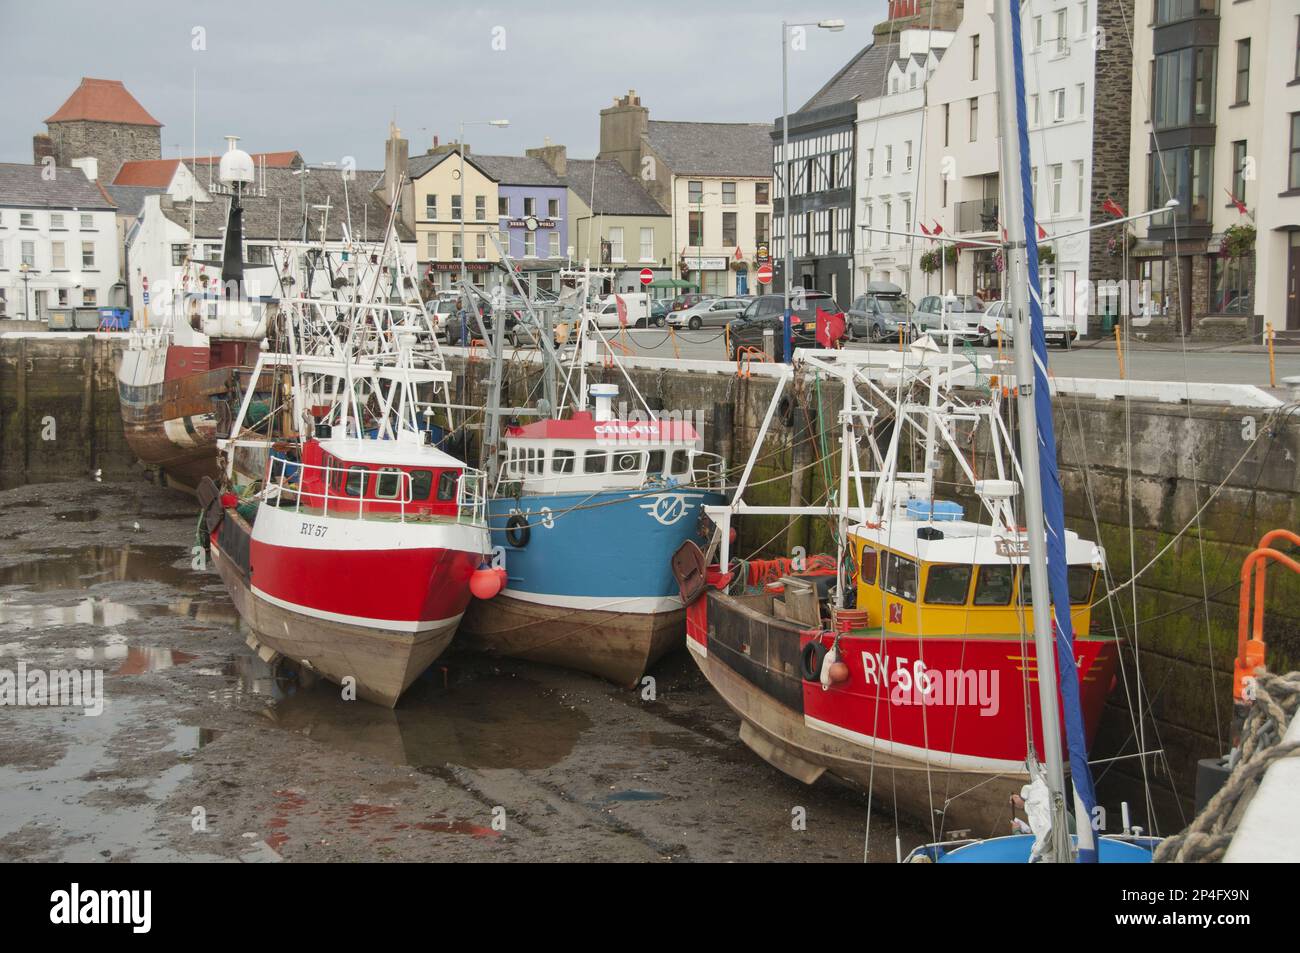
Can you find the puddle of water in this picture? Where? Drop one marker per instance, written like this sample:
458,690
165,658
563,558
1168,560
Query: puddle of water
482,721
76,567
78,516
634,795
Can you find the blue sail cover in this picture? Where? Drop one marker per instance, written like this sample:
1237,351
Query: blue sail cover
1050,478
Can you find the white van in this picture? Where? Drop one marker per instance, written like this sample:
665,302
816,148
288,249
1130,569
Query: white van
638,311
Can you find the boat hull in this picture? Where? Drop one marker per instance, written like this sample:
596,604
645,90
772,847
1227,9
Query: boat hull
591,588
317,606
873,732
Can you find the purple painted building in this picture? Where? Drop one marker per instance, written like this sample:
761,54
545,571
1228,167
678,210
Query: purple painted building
533,214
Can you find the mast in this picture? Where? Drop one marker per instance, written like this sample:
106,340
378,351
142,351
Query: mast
1021,256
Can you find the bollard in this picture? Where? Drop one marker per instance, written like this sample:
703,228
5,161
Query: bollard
1272,366
769,344
1119,352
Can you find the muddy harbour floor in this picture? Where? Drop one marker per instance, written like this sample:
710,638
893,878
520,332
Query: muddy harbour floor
204,752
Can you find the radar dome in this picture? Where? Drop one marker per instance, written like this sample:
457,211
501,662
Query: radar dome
236,164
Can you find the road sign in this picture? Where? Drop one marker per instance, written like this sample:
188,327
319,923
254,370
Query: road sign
647,276
764,274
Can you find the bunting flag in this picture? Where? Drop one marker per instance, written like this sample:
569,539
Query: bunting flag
1110,207
1240,205
1041,232
830,327
938,229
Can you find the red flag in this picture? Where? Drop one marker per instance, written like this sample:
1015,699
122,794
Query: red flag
622,310
1041,233
830,327
938,229
1111,208
924,230
1241,206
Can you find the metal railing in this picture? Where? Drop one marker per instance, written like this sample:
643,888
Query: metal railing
283,485
705,469
977,215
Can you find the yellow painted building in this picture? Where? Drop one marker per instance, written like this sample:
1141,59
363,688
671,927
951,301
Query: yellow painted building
436,190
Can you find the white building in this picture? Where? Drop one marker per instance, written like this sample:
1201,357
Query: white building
58,242
890,179
1217,124
962,155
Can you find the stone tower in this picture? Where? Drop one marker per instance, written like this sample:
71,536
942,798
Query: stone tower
622,127
101,120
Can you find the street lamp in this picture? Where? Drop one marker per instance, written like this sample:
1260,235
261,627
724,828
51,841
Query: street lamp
464,270
23,269
834,26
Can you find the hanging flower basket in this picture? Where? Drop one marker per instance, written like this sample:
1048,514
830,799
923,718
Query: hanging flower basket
929,262
1046,255
950,254
1239,241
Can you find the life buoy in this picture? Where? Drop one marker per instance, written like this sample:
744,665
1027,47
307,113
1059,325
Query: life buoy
518,531
810,660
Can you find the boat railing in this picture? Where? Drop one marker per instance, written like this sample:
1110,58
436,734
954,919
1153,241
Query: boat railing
286,488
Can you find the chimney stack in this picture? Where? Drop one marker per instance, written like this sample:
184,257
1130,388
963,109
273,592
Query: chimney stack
42,147
555,156
89,165
396,153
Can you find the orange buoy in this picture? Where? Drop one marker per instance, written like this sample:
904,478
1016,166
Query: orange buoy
839,673
485,583
502,578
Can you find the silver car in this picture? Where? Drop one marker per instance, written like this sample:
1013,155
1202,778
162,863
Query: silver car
715,313
963,314
1056,330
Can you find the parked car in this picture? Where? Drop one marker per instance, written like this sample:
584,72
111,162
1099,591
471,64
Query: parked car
768,311
689,300
660,308
440,311
1056,330
716,312
879,314
963,314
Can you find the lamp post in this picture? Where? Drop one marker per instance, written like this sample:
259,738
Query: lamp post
834,26
23,269
464,270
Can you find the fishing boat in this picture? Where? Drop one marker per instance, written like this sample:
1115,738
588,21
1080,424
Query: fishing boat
586,510
172,375
352,552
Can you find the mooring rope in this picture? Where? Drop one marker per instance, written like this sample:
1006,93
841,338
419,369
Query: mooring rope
1206,840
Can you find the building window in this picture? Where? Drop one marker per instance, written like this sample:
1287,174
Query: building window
1038,32
1293,178
728,193
431,207
28,251
1183,87
728,229
87,254
1079,196
56,220
695,193
1081,95
89,298
455,246
947,112
889,160
58,256
1239,170
616,243
178,255
530,205
503,238
1054,174
647,244
762,228
1033,110
907,215
26,220
87,223
871,162
975,57
480,208
974,118
1243,71
1058,105
553,208
530,244
762,193
1230,285
1184,174
455,208
1171,11
63,297
433,246
695,228
907,156
1062,32
554,242
503,205
480,246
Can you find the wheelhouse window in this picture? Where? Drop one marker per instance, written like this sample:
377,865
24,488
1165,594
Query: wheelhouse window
947,585
562,461
656,464
1080,579
356,485
994,584
867,571
421,482
447,482
627,462
388,483
594,461
899,576
681,463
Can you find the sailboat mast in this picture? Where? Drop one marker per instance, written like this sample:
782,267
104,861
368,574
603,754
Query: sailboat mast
1015,218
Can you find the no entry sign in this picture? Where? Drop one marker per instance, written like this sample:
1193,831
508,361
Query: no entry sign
764,274
647,276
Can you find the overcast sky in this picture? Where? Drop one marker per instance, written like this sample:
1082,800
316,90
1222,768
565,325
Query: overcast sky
325,78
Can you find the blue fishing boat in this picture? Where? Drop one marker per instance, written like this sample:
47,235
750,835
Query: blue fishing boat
587,513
